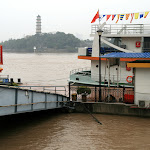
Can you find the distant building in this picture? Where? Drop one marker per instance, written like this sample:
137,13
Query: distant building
38,25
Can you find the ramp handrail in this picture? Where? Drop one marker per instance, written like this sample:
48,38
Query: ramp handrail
46,88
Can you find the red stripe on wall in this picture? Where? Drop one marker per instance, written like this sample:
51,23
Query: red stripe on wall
1,55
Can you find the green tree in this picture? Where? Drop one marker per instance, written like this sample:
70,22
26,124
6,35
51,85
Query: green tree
58,41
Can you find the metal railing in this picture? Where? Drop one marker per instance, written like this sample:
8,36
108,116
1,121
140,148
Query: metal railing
113,78
122,28
89,51
125,95
52,89
84,71
108,49
104,77
146,46
4,76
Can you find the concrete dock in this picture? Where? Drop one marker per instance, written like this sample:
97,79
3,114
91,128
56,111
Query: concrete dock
111,108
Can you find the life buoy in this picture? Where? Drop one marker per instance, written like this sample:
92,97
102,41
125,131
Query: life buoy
127,79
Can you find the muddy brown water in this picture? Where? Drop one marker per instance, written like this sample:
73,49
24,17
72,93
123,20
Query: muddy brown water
74,131
42,69
62,131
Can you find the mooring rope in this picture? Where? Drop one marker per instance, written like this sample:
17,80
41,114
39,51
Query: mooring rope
91,114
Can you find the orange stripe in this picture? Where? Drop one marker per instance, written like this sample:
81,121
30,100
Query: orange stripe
90,58
133,59
138,65
121,59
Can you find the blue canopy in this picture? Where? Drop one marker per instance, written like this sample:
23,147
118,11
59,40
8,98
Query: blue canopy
126,55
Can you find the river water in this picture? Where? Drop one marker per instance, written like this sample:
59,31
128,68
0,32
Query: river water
64,131
42,69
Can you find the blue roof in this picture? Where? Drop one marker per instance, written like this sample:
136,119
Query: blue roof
126,55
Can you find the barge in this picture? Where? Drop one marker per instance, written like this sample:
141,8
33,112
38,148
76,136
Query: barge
119,71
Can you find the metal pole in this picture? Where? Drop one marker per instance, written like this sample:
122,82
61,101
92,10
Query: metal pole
123,92
118,79
100,68
95,93
69,91
108,79
117,76
16,99
99,33
108,73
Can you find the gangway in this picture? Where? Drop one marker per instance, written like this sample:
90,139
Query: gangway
14,100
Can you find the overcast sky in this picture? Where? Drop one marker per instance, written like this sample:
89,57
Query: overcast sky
18,17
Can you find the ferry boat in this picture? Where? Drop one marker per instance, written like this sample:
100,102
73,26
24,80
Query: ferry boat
120,44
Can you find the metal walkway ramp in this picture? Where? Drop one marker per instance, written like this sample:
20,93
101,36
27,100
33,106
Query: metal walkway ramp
15,100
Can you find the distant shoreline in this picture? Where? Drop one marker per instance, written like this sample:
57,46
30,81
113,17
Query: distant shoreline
40,51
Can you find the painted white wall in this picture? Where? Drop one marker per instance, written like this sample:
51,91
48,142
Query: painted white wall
95,70
82,51
130,43
123,73
142,84
95,46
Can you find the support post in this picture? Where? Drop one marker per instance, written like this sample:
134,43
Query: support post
45,101
32,101
57,100
95,93
99,33
100,68
62,104
117,76
69,91
118,63
16,99
108,73
108,79
123,92
55,89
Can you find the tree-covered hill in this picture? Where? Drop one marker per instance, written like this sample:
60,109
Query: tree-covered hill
46,42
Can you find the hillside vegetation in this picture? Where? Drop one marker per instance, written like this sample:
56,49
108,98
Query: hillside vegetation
46,42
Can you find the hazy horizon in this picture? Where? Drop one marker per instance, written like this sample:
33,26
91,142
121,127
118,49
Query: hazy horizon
18,18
